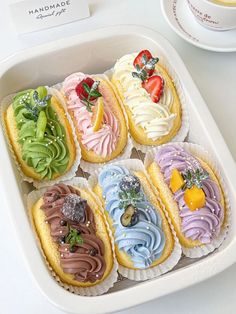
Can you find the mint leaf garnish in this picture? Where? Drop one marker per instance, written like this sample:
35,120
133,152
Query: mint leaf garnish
74,238
86,88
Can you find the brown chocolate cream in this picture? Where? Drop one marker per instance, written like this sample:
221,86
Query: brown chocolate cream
73,227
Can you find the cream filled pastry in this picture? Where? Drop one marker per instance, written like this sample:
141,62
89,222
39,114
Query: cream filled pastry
192,195
97,116
142,235
73,235
40,134
149,97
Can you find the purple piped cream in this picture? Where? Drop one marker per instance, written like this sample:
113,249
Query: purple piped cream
205,223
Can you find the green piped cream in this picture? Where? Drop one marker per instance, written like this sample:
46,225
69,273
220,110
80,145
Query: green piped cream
41,136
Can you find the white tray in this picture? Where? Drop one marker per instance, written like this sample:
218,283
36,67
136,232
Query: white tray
95,52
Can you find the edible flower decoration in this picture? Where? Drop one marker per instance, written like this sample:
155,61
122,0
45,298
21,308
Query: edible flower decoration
191,183
130,194
36,101
130,187
144,64
73,209
87,91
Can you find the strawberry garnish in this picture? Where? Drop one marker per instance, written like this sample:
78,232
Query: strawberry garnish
87,91
141,60
154,86
81,89
144,63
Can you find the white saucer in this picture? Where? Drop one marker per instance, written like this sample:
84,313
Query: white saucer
182,21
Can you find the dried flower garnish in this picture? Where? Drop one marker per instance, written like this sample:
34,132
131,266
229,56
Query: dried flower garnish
196,178
130,198
35,104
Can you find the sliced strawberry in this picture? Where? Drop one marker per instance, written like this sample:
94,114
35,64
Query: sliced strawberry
144,55
154,86
82,91
139,59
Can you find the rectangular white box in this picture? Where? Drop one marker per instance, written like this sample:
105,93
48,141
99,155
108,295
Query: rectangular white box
95,52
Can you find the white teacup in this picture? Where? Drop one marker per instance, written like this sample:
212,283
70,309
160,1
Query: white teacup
218,15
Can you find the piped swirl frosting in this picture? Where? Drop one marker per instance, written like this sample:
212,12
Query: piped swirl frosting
205,223
104,141
155,118
86,261
143,242
47,155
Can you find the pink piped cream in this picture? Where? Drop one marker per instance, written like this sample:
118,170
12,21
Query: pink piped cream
102,142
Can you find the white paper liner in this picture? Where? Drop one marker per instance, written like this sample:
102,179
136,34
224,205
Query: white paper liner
183,131
39,184
197,151
172,260
109,281
88,166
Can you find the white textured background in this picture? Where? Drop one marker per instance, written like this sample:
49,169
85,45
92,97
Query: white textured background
215,76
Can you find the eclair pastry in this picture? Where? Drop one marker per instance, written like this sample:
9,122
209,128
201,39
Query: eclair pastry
97,115
40,134
73,235
142,235
191,193
149,97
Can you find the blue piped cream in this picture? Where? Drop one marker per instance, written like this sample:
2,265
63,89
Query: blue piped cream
144,242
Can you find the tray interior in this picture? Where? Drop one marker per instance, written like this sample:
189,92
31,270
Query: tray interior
96,56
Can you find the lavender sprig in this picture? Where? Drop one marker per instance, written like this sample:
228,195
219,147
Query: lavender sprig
41,102
37,105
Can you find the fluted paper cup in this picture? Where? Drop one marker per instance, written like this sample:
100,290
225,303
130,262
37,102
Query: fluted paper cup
172,260
7,101
199,152
109,281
